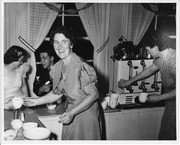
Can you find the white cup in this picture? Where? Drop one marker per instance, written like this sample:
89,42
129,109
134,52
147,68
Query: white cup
143,97
104,104
113,100
107,99
17,102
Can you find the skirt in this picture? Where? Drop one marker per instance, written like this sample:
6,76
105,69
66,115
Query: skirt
85,126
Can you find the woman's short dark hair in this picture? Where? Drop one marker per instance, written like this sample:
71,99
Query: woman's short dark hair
68,33
12,54
157,38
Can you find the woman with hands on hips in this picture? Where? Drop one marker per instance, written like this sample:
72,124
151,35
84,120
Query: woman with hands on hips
76,80
158,46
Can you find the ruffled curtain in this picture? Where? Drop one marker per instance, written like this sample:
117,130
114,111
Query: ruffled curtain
95,20
130,20
106,23
31,21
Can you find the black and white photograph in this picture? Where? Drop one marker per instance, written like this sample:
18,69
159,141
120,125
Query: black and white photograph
89,72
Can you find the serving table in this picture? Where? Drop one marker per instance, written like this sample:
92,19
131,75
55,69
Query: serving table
41,115
30,116
139,123
133,124
50,118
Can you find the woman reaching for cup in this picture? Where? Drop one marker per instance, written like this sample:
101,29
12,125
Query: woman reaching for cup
14,75
76,80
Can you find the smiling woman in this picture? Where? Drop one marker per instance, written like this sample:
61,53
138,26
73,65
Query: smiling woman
62,45
73,21
76,81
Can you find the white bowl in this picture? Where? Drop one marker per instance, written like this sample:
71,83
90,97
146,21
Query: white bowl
37,133
9,134
29,125
51,106
16,124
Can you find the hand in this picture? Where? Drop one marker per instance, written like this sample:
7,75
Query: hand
123,83
30,102
8,103
153,98
45,88
66,117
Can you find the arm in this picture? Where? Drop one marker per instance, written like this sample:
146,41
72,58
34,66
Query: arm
48,98
145,74
86,103
87,79
170,95
24,87
159,97
67,117
142,75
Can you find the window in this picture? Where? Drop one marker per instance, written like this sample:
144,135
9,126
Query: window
82,47
164,21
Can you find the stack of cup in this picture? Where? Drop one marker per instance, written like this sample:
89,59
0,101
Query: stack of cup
110,100
113,100
105,102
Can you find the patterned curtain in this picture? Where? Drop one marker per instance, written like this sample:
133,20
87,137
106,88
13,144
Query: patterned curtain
95,20
32,22
139,21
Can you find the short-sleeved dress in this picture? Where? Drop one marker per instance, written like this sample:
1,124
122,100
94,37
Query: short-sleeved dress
79,82
168,75
13,87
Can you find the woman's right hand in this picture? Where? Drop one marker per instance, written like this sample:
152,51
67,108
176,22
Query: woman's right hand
123,83
29,102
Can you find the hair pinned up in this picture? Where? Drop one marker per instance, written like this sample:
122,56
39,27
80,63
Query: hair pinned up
157,38
12,54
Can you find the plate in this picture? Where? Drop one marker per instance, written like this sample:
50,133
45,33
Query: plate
10,134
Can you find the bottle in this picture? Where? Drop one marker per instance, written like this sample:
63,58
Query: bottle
22,117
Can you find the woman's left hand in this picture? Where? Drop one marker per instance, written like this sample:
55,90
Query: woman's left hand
153,98
66,117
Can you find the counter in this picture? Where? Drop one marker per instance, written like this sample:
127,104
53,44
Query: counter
41,115
133,124
123,123
30,116
50,118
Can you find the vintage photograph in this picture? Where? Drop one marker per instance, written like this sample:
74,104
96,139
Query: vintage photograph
89,71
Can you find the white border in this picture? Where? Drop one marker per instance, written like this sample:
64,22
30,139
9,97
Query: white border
101,1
